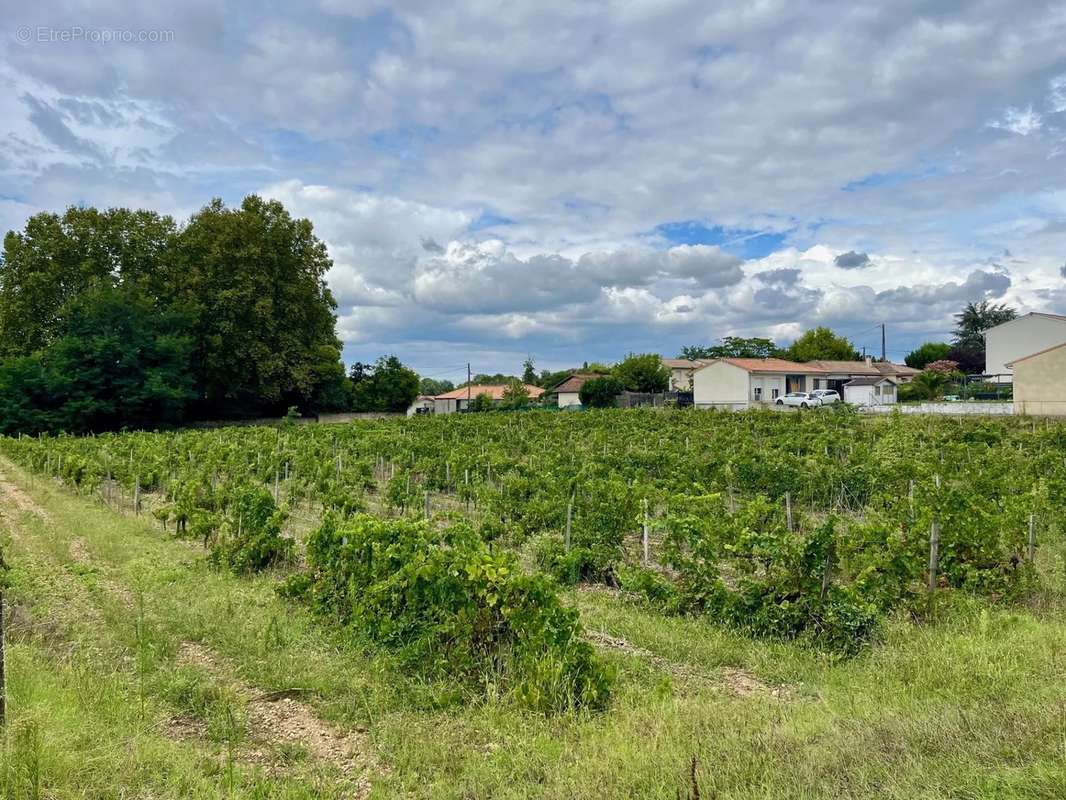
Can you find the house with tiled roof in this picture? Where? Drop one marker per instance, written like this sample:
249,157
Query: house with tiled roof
461,398
740,383
568,392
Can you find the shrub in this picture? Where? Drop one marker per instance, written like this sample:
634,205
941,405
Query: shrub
600,392
251,540
449,607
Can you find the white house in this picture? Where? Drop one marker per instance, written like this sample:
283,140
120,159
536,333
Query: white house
681,371
568,393
423,404
870,391
739,383
1020,337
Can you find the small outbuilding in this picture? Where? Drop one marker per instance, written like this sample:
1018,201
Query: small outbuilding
870,391
1040,382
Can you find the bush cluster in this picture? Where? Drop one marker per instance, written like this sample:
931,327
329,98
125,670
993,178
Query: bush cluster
448,606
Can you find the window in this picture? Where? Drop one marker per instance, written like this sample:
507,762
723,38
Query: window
774,393
758,392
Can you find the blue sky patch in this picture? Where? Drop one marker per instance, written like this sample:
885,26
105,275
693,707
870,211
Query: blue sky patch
746,244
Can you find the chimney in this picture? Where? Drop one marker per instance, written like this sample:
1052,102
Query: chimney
869,361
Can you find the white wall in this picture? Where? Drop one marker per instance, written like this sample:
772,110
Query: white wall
569,399
1021,337
859,395
721,383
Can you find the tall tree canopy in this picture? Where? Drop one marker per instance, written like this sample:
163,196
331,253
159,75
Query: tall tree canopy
253,279
133,318
733,347
387,386
976,318
55,258
643,373
926,354
821,343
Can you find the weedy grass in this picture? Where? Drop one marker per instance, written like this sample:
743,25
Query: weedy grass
970,703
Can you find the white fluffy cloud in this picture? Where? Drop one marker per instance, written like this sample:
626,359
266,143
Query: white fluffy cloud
579,180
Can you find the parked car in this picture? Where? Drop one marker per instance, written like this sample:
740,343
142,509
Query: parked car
801,399
826,397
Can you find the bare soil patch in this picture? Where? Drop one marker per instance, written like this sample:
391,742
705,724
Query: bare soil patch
735,681
279,718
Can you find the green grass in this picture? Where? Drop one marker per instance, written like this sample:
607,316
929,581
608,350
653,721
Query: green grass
971,705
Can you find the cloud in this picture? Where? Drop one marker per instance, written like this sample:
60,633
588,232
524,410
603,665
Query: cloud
1021,121
1062,270
487,183
853,260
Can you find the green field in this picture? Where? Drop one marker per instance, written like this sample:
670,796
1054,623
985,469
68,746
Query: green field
144,664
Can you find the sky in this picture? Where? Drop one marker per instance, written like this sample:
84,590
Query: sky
575,180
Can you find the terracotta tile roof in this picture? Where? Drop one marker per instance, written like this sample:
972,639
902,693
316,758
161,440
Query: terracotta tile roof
685,363
574,382
781,365
773,365
494,391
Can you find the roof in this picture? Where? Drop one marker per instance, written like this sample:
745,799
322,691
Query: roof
685,363
770,365
494,391
870,381
888,368
1057,317
779,365
1034,355
848,367
575,382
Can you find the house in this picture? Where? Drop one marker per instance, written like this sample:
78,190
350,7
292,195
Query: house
459,399
681,370
876,391
1040,382
423,404
568,392
1011,341
739,383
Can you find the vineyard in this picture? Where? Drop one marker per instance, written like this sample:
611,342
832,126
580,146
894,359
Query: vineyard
452,545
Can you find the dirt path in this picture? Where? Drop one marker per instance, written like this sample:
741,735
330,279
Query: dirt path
279,718
12,498
735,681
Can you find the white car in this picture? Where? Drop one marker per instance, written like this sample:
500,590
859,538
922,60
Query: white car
801,399
826,397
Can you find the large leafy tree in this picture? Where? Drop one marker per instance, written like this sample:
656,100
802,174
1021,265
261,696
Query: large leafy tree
432,387
643,373
253,280
968,344
927,353
733,347
118,361
976,318
388,386
55,258
821,343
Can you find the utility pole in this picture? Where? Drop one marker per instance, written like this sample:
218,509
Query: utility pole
883,357
468,386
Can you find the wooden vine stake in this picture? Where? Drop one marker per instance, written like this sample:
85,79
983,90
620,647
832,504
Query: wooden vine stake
934,554
569,522
644,534
1032,537
427,504
788,510
137,495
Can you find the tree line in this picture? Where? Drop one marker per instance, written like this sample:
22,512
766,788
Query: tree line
121,318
